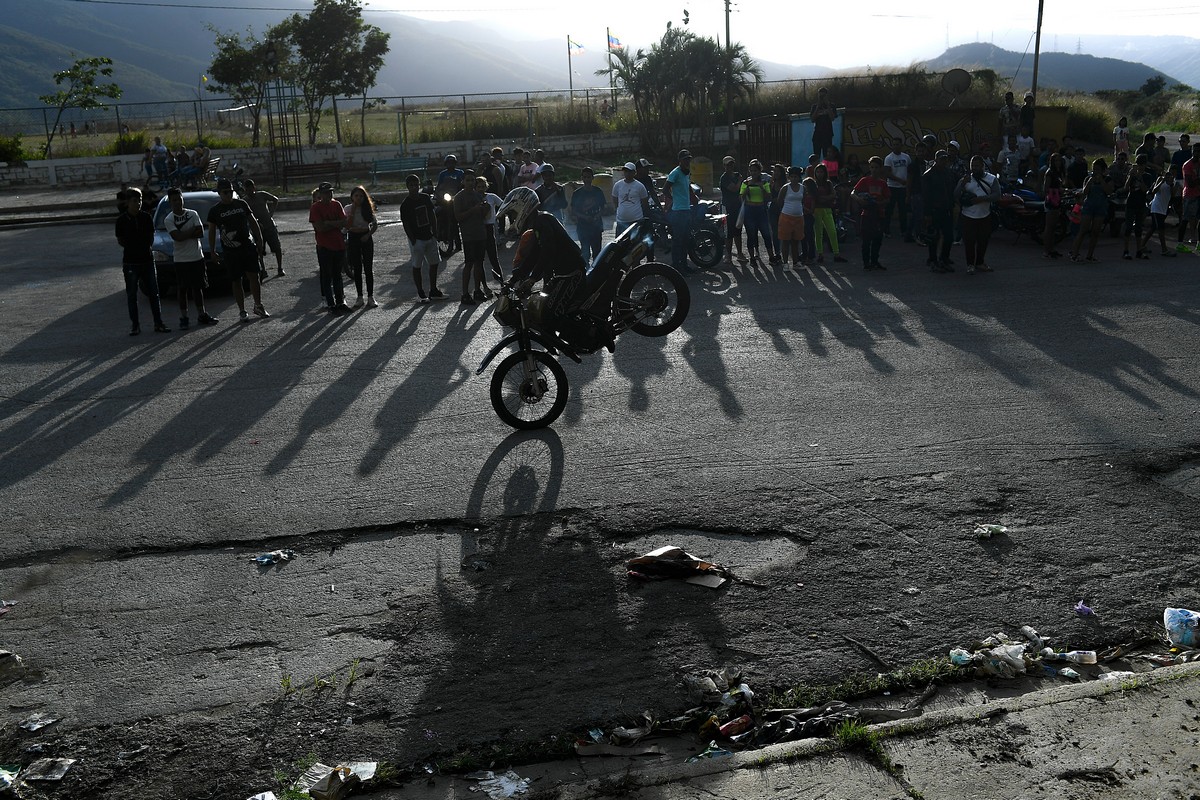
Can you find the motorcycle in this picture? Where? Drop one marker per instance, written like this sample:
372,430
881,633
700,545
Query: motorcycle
529,387
449,241
707,244
1023,211
237,178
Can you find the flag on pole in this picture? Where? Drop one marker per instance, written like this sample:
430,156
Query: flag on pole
613,42
574,45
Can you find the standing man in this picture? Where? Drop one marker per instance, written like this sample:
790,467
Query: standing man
527,172
587,208
135,234
159,153
186,230
471,210
1178,158
420,226
328,219
551,195
263,205
646,179
630,198
1027,113
938,187
235,222
1010,118
895,168
730,185
823,113
679,190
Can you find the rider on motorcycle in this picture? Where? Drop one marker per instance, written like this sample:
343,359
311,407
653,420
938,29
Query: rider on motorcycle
450,180
545,251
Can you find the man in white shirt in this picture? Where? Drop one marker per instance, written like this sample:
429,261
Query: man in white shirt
185,229
895,168
1008,162
630,198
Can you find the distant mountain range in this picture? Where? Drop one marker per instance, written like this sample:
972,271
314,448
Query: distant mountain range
1079,72
160,54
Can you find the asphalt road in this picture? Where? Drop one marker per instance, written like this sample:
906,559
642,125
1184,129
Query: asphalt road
833,435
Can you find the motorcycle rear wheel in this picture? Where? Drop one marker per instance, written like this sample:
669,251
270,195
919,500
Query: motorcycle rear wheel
526,397
662,292
706,248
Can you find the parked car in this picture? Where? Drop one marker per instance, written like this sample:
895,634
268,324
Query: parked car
164,245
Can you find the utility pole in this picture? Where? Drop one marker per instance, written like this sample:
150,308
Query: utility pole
1037,50
729,87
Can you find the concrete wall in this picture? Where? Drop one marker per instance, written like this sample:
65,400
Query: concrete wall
356,161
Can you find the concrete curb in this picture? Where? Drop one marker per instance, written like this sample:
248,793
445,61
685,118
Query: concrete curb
934,720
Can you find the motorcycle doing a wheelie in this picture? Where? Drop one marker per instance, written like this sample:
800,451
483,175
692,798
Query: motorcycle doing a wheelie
584,308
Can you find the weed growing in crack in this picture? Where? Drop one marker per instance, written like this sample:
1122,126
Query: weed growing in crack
854,736
913,677
286,685
354,676
285,779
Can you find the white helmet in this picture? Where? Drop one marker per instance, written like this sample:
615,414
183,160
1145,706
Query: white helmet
521,203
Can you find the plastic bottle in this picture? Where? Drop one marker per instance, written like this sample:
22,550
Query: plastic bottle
1033,636
1075,656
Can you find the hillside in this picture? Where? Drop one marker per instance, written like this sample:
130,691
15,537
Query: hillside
160,53
1059,70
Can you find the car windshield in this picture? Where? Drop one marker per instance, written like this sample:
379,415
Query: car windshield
200,202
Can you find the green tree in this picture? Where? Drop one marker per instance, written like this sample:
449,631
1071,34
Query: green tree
239,70
79,90
335,52
1153,85
682,79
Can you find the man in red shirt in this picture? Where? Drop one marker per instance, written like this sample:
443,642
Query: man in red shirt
871,194
1191,194
328,219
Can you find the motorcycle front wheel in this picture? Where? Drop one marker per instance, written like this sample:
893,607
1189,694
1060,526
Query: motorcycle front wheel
706,248
529,390
660,296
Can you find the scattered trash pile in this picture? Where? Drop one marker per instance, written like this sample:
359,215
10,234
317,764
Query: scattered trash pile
725,717
321,782
999,656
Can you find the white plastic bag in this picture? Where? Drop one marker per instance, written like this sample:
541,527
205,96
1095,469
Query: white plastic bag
1183,627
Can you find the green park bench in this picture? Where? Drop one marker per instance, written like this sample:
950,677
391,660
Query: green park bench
404,164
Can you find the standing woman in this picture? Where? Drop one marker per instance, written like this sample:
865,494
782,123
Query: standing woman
976,192
824,202
1094,208
1052,188
755,194
791,216
360,247
1121,137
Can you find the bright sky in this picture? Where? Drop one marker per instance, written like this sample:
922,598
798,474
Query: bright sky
881,32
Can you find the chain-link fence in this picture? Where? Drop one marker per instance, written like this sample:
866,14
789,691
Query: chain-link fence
126,128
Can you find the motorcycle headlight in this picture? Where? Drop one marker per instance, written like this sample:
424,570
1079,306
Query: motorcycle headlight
446,198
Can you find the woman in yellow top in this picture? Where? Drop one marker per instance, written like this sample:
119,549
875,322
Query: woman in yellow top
756,194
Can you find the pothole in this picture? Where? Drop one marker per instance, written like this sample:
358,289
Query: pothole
1185,479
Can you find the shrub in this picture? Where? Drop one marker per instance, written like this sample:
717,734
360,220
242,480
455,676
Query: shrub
11,150
133,143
